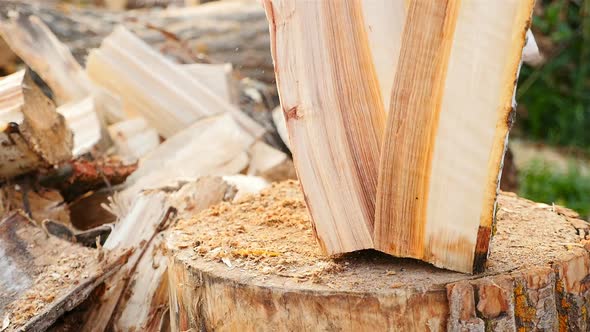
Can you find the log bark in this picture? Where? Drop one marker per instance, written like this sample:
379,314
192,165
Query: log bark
254,265
214,31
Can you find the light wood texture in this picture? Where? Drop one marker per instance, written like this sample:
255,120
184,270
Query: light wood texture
32,40
451,110
280,280
134,231
133,138
334,112
37,46
279,121
217,77
384,21
33,134
82,119
214,146
167,97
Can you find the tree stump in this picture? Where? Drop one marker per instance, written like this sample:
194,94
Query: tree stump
254,265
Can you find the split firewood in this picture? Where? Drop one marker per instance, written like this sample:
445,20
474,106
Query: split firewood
33,134
134,231
229,264
384,22
217,77
245,185
133,138
32,40
213,30
44,276
441,161
334,114
157,89
82,119
37,46
213,146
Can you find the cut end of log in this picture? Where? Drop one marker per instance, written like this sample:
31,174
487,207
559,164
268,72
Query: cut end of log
256,260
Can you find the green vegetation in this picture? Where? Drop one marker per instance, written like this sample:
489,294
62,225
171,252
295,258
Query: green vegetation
543,182
555,97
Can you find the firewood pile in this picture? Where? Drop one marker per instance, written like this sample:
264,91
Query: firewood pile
115,124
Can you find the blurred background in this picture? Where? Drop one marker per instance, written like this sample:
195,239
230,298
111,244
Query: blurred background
551,138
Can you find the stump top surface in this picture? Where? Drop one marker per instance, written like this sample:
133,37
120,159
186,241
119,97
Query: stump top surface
267,240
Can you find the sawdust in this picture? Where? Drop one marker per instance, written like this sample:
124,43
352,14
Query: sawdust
270,233
53,282
267,239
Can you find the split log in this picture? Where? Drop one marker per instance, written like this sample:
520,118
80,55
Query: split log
419,207
44,276
254,265
334,113
155,88
441,161
33,134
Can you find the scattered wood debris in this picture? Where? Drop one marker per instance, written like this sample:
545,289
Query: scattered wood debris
43,276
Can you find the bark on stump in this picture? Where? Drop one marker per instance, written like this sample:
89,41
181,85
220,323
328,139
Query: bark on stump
254,265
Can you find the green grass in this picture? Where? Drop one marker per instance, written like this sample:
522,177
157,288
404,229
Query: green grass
554,99
542,182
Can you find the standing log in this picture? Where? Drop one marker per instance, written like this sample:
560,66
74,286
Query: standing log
254,265
441,159
33,134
